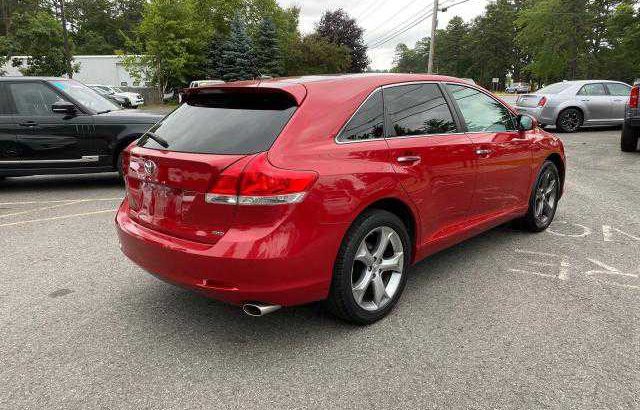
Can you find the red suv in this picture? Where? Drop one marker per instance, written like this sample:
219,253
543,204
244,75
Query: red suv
284,192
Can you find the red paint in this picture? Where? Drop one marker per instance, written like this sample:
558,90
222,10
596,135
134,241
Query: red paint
284,254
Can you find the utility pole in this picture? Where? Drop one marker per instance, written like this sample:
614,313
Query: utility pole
65,39
432,43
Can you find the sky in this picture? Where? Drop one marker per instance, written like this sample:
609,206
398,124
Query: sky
382,17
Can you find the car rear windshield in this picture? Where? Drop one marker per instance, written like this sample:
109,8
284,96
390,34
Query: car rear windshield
217,122
554,88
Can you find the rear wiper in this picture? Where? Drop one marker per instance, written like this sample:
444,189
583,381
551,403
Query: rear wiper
154,137
104,112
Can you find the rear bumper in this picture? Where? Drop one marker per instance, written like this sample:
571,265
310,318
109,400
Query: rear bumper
632,117
544,116
284,267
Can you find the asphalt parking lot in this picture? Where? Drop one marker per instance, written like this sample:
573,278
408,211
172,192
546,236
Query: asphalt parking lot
505,320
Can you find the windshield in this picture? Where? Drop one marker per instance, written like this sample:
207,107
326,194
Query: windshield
554,88
85,96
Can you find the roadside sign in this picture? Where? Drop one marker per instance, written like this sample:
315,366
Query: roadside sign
495,80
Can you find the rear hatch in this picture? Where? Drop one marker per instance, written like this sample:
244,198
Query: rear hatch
173,167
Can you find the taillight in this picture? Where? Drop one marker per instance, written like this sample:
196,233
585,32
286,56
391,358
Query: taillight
633,99
260,183
542,102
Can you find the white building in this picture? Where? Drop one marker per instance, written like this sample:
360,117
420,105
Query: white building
107,69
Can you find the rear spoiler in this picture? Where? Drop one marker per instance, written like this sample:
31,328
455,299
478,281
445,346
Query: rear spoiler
297,92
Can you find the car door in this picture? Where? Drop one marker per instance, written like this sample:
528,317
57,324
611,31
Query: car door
8,132
619,94
45,138
433,159
503,153
596,102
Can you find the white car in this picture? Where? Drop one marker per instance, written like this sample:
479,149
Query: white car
125,98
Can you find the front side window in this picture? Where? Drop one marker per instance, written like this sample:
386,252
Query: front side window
86,96
619,90
33,99
217,122
368,121
592,89
481,113
417,109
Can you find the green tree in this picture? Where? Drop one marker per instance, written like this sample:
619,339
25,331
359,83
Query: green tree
39,36
339,28
267,50
314,54
412,60
556,33
452,56
170,45
238,57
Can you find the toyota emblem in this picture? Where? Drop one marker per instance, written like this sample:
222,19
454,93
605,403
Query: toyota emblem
149,167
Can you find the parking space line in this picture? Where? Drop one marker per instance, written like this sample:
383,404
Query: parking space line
54,218
46,208
61,201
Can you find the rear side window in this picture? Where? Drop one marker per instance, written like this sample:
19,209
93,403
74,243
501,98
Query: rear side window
619,90
225,123
592,89
368,121
417,109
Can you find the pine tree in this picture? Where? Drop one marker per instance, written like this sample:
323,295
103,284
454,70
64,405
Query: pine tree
238,58
214,68
268,54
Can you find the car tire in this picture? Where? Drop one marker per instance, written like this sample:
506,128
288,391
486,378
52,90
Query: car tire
569,120
543,201
629,138
362,291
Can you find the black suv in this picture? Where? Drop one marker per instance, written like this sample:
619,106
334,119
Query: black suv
61,126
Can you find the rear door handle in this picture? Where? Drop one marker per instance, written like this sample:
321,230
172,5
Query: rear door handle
28,124
484,152
409,159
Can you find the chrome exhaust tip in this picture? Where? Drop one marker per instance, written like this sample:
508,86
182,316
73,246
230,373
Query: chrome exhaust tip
259,309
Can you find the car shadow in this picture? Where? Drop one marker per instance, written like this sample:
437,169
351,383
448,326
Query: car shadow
52,183
184,315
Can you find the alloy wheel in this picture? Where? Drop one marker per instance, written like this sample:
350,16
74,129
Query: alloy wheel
377,268
570,120
546,197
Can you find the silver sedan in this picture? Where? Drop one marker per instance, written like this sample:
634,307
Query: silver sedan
570,105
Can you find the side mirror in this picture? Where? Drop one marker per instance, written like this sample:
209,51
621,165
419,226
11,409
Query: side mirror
64,107
526,122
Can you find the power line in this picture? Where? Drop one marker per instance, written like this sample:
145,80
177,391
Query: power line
399,27
403,27
371,9
386,39
390,20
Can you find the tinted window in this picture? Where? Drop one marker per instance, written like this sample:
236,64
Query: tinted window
33,99
619,90
481,112
417,109
592,89
86,96
224,123
6,107
367,123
